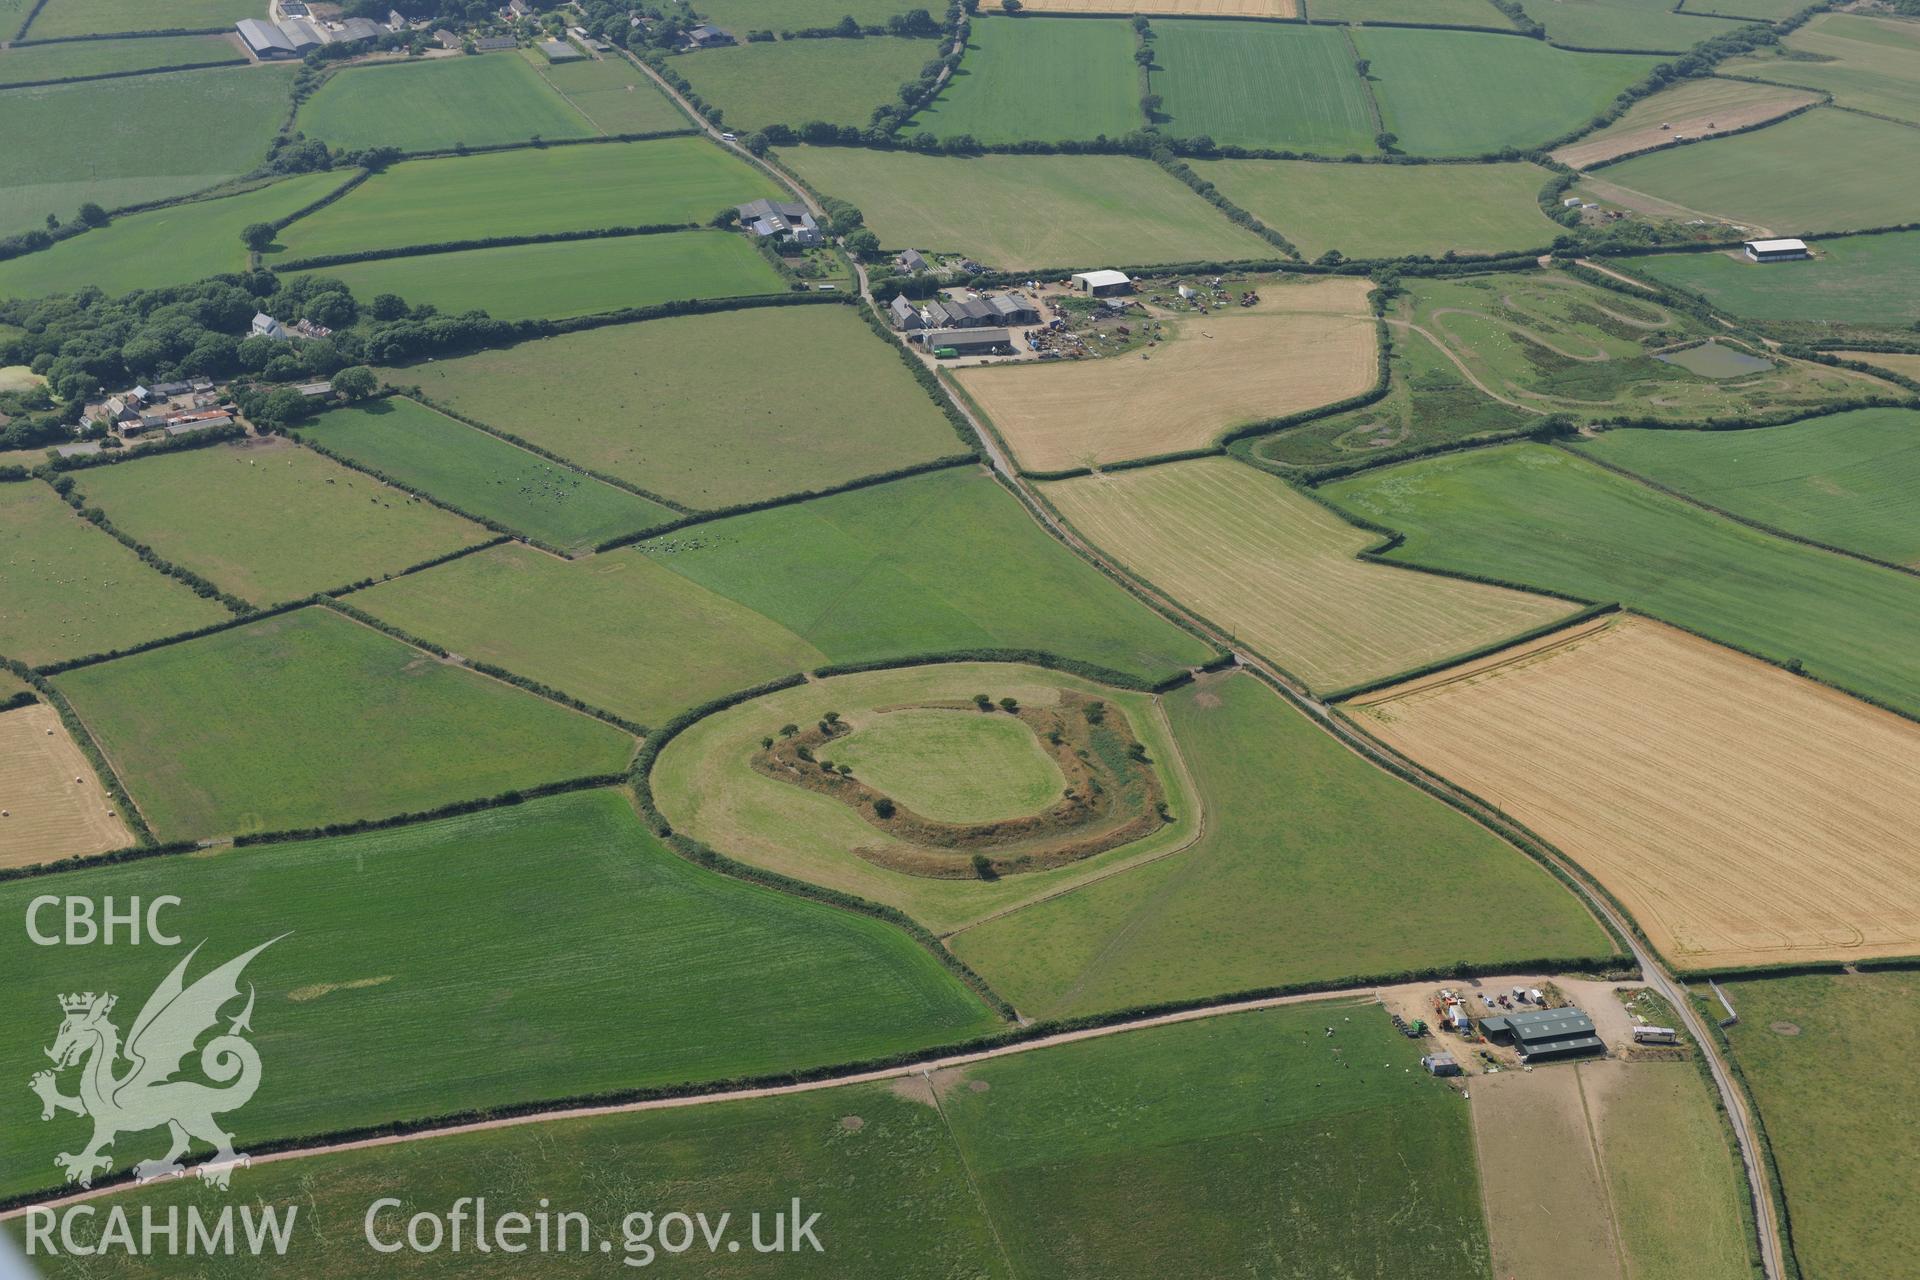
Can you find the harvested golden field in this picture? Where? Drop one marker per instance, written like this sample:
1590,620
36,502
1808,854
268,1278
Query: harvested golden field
55,805
1537,1167
1742,814
1893,361
1692,109
1301,346
1278,571
1169,8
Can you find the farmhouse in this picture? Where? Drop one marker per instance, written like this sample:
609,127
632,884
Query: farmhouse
1777,250
707,36
266,326
913,260
1544,1034
970,342
782,218
1103,284
396,21
446,39
905,314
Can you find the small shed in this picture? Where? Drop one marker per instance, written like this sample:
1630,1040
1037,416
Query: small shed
1102,284
1777,250
1440,1064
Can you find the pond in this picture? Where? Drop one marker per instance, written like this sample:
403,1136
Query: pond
1711,360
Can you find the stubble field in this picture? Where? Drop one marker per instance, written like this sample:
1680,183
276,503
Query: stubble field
56,807
1744,815
1693,108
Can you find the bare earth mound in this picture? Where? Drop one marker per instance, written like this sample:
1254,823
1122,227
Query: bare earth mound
56,807
1300,347
1744,815
1279,572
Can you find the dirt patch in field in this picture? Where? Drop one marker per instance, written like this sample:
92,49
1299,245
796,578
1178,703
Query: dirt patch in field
1784,1028
1300,347
1546,1203
1610,145
55,806
301,995
1743,815
852,1124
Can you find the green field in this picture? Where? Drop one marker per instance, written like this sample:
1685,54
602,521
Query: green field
1028,212
1829,1059
103,17
910,755
1623,24
483,474
1762,10
505,193
163,246
68,590
742,16
1295,825
569,277
1831,190
935,563
1261,84
1390,210
1855,282
794,82
724,979
435,105
1545,518
1427,402
1867,63
31,64
1440,13
270,521
1040,79
1851,480
309,718
1059,1162
616,630
1468,93
710,410
146,138
615,95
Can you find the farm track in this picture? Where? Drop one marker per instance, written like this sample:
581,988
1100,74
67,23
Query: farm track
1732,1099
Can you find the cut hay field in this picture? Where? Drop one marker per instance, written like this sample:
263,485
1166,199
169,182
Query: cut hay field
1829,1060
1677,1192
1471,93
34,64
1168,8
106,17
504,193
482,474
931,564
569,278
162,246
1439,13
1214,372
706,786
1870,64
1028,212
68,590
1652,25
146,138
721,979
795,82
1390,211
1537,1163
1907,364
1831,191
1304,871
56,806
1855,282
1693,108
1554,344
309,718
1261,84
1278,572
616,630
1743,815
436,104
1752,10
1547,518
1043,79
742,16
614,95
1428,401
1849,480
269,521
709,410
1010,1167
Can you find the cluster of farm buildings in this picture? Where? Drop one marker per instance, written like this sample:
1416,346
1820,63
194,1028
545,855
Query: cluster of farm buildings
1524,1020
964,323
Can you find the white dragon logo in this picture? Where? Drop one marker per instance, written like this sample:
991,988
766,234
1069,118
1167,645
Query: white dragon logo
146,1096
